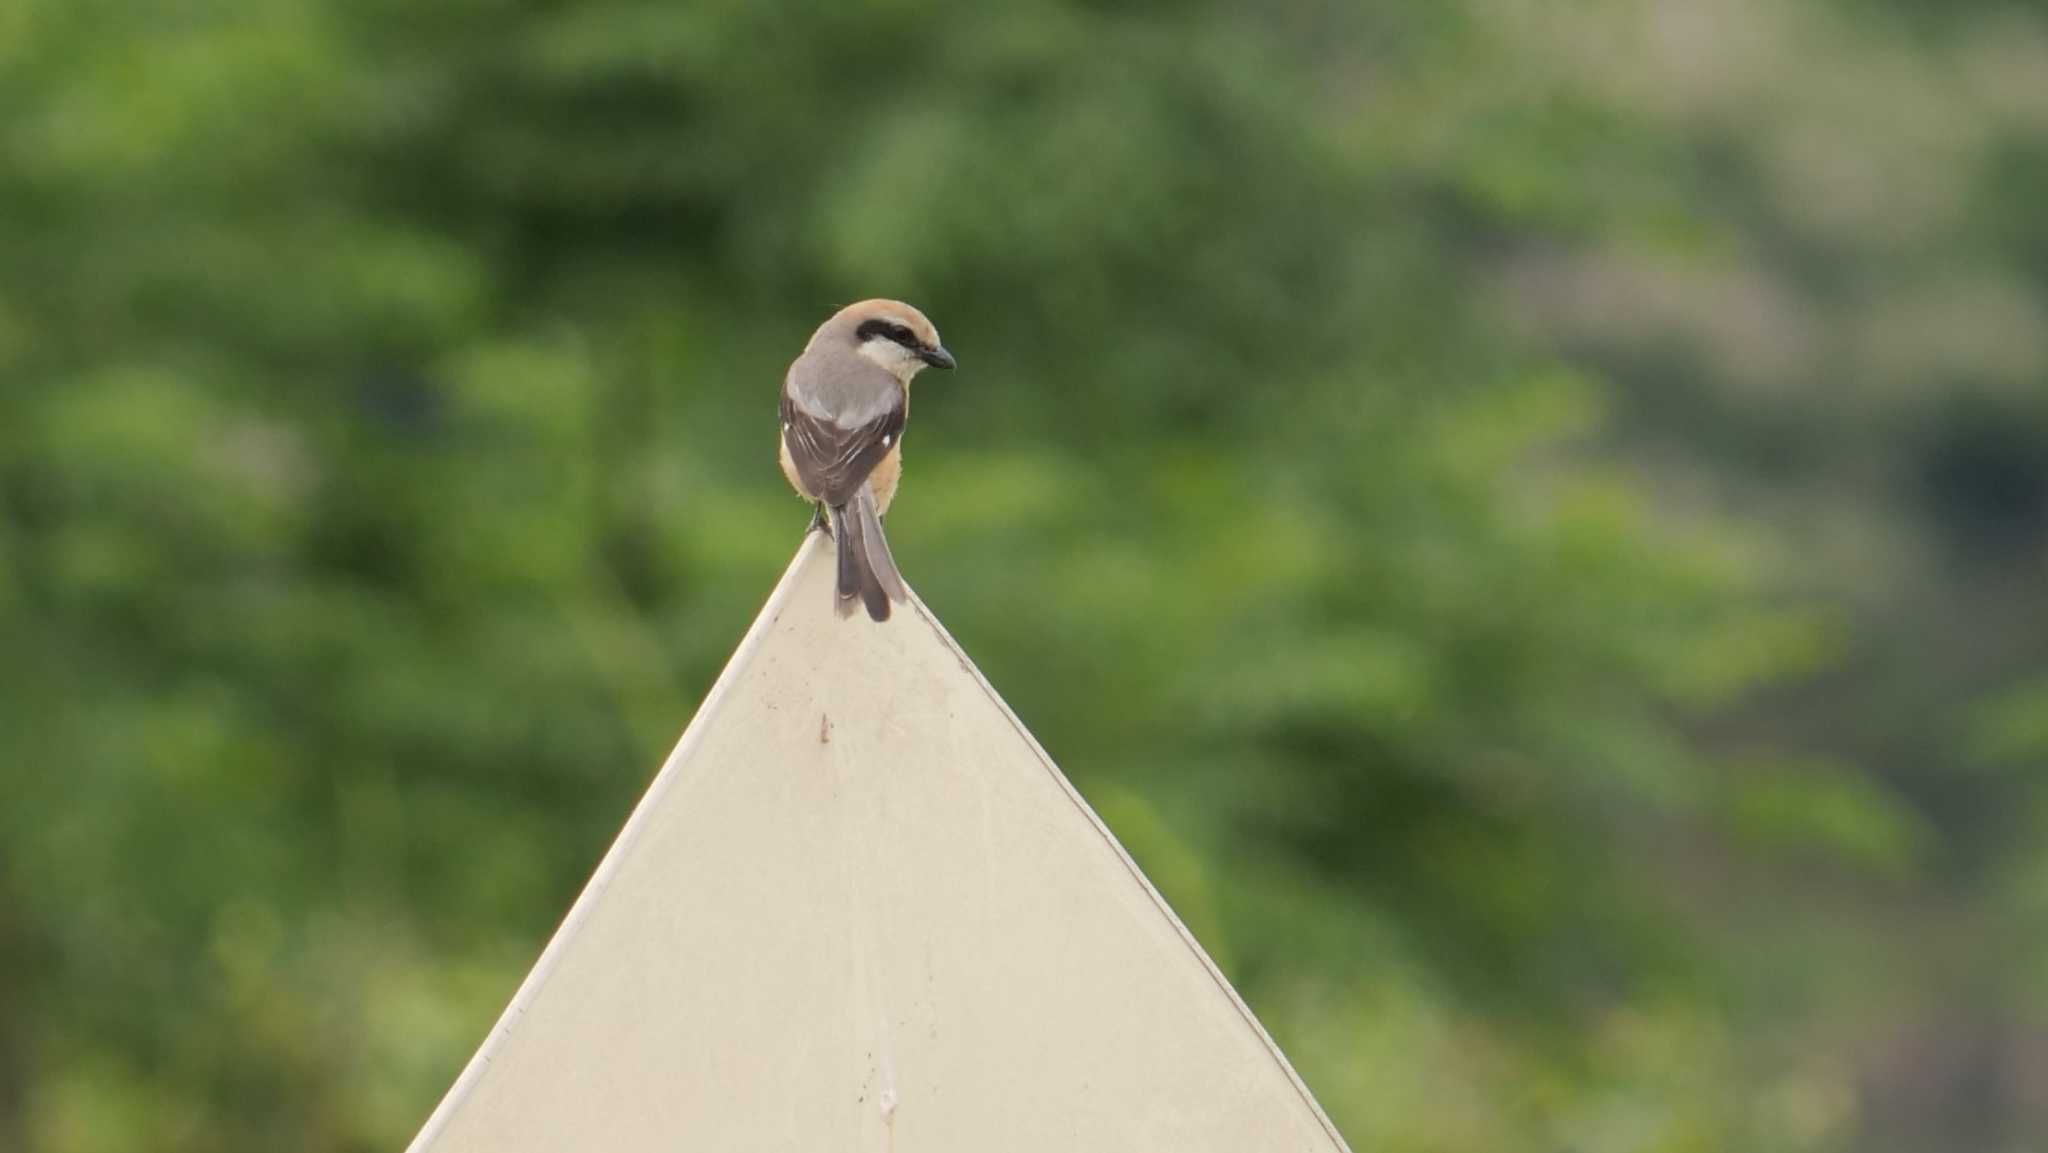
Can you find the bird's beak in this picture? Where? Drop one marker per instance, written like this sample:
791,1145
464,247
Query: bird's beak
938,357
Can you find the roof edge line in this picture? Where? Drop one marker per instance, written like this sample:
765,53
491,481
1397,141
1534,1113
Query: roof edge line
1159,902
600,880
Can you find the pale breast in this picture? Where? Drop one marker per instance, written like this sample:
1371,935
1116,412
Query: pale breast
789,470
887,472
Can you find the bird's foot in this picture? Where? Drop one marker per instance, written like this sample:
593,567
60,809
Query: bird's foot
817,519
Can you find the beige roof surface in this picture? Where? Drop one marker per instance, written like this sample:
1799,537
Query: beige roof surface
860,909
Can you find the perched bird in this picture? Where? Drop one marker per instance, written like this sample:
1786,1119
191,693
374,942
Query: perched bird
844,403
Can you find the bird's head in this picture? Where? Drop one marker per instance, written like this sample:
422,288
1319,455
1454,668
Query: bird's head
888,333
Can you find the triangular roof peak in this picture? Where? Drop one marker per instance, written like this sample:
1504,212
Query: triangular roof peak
859,908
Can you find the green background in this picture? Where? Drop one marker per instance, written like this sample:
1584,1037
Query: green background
1530,521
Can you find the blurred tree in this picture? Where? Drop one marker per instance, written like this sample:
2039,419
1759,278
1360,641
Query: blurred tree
1350,395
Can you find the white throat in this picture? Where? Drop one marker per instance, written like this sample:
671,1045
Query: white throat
897,360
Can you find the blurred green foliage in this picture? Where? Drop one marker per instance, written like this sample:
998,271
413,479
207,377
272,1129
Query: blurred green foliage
1530,521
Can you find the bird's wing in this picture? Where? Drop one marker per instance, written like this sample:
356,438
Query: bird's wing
834,459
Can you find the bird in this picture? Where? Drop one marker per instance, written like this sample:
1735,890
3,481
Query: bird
844,404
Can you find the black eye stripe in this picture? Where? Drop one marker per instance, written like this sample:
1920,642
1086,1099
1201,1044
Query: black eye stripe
888,329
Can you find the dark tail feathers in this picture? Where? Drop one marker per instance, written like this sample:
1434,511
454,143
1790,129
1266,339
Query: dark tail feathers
867,572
